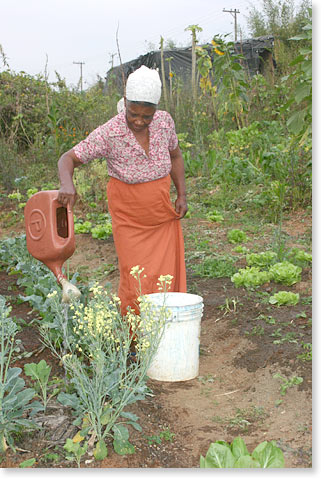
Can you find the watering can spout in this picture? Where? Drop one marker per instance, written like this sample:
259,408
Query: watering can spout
70,291
50,233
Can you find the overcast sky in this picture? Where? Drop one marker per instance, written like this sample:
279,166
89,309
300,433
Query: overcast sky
68,31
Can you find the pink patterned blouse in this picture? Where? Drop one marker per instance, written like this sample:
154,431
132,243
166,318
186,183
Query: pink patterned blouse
126,159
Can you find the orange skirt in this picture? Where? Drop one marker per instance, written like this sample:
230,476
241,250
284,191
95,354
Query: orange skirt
147,232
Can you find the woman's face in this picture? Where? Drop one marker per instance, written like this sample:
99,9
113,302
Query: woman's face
139,116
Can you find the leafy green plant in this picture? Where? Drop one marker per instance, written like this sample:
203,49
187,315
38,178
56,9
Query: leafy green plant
228,97
262,260
285,272
300,119
300,257
256,331
40,372
82,227
164,435
216,267
290,337
27,463
50,456
76,449
284,298
96,359
222,455
236,236
288,382
16,405
307,354
102,231
241,249
98,231
214,216
250,277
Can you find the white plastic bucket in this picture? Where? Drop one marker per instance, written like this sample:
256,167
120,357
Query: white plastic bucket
177,356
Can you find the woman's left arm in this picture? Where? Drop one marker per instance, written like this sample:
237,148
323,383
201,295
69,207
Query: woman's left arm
178,177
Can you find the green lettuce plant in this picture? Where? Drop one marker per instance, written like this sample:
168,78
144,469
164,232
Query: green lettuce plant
236,236
300,257
214,216
222,455
261,260
82,227
284,298
250,277
102,231
285,272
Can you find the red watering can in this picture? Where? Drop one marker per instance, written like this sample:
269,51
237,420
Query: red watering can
50,235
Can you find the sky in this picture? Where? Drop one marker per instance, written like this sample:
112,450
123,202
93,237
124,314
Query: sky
53,34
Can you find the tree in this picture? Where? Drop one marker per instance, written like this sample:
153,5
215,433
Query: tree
280,19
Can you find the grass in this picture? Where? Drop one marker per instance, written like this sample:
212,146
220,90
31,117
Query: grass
217,266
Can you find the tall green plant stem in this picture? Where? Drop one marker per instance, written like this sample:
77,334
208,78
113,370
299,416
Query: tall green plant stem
165,92
193,29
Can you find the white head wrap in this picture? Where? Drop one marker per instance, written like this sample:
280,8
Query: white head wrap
121,105
144,85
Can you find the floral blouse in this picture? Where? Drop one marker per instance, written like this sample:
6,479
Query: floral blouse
126,159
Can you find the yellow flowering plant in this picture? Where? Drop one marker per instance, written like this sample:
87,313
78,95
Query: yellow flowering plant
229,95
96,358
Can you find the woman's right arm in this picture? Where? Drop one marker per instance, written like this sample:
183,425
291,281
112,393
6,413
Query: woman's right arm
66,165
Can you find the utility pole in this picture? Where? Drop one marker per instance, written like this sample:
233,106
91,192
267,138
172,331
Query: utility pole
80,63
112,59
233,13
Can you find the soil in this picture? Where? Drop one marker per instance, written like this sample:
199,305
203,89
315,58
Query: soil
235,394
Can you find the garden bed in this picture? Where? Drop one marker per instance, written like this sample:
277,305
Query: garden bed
249,352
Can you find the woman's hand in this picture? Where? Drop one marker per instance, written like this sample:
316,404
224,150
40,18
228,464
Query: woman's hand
181,206
178,177
67,194
67,197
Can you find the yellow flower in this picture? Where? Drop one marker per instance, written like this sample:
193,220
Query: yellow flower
218,51
51,295
136,271
116,299
166,278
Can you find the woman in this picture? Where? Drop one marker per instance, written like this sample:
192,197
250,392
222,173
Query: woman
141,148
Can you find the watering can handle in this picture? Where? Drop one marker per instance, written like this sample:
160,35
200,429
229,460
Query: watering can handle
68,198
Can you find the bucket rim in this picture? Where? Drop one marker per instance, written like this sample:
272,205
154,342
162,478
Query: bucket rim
156,297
